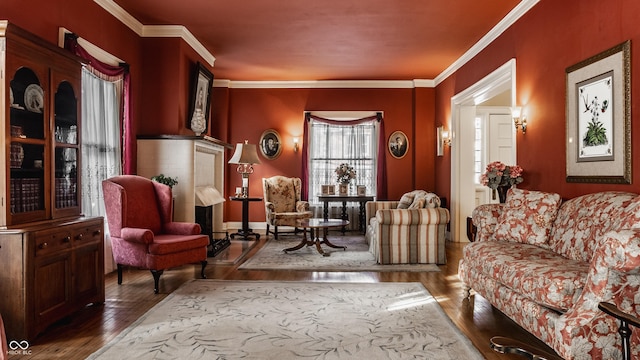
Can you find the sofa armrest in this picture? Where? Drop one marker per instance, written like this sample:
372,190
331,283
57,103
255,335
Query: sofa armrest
143,236
412,216
485,218
371,207
181,228
614,277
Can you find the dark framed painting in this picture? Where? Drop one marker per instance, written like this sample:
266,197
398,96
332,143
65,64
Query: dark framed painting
202,83
270,144
398,144
598,123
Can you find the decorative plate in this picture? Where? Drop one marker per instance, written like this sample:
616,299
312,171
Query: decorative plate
34,98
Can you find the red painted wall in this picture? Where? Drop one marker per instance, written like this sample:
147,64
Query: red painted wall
552,36
252,111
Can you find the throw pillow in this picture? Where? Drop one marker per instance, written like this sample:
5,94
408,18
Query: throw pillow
527,216
406,200
418,203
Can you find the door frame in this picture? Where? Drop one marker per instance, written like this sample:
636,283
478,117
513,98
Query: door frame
499,81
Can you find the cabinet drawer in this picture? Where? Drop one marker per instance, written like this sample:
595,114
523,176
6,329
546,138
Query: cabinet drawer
87,234
50,241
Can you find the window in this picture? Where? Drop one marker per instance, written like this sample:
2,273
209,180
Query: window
100,138
332,144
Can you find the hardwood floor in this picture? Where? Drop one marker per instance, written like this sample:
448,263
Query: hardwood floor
83,333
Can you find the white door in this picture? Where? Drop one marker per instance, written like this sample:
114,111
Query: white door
499,144
466,140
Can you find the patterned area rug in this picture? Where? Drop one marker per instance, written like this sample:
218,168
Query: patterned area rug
217,319
355,258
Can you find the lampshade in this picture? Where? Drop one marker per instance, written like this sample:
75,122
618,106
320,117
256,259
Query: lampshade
245,154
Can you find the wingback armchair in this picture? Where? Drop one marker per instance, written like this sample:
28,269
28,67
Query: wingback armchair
409,231
139,215
282,202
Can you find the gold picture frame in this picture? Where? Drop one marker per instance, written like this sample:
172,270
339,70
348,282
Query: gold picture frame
398,144
270,144
598,118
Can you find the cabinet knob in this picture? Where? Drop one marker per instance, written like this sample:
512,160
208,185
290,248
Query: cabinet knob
79,237
97,232
44,245
66,239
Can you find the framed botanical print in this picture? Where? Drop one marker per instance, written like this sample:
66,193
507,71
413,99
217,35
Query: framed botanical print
598,123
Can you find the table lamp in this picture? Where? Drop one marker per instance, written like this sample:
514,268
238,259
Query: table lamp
245,156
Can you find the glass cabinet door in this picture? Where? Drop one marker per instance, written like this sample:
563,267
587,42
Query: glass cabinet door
66,147
27,151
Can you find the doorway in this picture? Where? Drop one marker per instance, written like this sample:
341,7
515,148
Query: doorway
463,114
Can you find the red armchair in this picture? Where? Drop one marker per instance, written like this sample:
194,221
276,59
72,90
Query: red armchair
142,232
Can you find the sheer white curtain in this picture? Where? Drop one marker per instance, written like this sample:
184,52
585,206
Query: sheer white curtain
101,144
332,144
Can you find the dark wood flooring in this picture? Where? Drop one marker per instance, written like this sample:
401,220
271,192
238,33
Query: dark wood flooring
85,332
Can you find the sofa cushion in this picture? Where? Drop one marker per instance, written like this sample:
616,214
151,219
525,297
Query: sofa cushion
527,216
407,199
418,199
418,203
538,274
584,219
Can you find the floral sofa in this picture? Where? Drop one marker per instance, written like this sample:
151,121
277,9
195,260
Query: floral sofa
409,231
547,265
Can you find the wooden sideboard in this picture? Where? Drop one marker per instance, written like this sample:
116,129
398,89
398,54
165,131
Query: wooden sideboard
50,270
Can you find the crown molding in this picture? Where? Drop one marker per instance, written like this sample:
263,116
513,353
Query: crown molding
325,84
178,31
522,8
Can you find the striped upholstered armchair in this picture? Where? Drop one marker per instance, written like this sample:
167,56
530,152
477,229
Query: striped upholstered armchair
409,231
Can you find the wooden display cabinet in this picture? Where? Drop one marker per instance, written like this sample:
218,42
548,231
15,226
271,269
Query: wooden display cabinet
52,258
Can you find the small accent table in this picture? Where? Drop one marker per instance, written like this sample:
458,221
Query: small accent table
362,199
314,226
245,232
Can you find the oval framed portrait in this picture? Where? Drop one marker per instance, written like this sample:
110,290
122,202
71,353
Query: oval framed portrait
270,144
398,144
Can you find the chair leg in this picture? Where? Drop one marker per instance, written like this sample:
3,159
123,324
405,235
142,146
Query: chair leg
204,264
275,233
119,267
267,229
156,279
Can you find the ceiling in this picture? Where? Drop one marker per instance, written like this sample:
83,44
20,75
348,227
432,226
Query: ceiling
300,40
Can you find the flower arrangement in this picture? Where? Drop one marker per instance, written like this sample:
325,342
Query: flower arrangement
167,180
499,174
345,173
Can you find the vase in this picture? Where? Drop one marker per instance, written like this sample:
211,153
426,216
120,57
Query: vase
343,189
502,193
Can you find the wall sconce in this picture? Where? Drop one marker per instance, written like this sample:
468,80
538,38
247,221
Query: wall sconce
519,119
295,144
446,138
443,139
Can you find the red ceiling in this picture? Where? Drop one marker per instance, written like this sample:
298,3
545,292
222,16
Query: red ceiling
328,39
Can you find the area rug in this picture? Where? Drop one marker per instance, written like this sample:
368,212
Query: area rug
218,319
355,258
